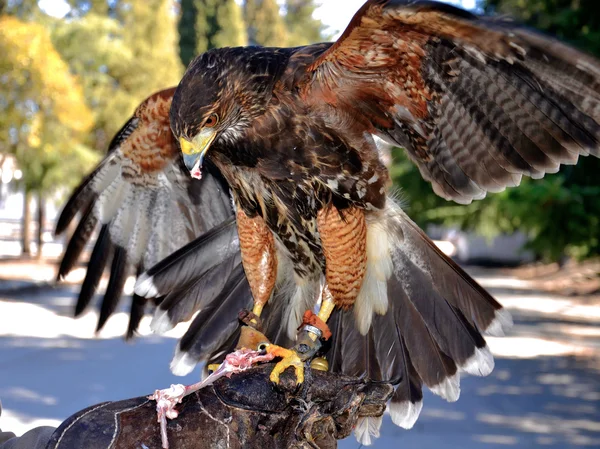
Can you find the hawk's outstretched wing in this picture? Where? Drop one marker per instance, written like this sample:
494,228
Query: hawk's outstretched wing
476,102
147,206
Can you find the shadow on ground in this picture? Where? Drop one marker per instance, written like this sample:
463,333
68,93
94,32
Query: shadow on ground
544,392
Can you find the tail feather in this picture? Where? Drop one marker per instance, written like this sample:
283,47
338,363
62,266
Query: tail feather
379,355
431,329
116,282
180,305
359,354
334,346
79,239
190,261
389,348
82,196
136,313
214,325
437,370
407,401
367,428
397,368
454,335
448,279
272,316
98,260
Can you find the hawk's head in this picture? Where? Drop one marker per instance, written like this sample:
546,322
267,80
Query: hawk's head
222,91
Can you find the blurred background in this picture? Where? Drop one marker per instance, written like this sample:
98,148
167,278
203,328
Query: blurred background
72,72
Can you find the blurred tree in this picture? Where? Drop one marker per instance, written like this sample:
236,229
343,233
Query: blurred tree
122,51
302,28
206,24
150,33
575,21
19,8
94,46
560,213
231,30
43,114
187,31
265,24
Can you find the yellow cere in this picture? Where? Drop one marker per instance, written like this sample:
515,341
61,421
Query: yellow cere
187,147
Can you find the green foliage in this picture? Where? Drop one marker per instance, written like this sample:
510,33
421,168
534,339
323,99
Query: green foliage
68,85
187,31
20,8
43,114
232,30
219,23
560,213
94,46
207,24
96,67
122,54
574,21
303,29
265,25
149,32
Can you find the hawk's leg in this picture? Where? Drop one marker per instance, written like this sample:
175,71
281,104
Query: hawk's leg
344,241
307,345
259,258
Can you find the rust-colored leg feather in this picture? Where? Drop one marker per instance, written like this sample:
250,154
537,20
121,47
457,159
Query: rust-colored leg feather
258,257
344,240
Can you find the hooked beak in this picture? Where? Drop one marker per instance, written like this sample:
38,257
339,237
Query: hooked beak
194,151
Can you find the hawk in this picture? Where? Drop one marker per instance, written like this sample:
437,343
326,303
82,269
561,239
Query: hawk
476,103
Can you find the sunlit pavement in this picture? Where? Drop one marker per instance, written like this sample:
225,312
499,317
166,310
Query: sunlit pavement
544,392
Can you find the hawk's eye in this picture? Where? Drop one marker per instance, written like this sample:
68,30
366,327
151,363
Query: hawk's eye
211,121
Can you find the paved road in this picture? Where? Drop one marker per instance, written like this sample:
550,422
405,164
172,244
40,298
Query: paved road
544,392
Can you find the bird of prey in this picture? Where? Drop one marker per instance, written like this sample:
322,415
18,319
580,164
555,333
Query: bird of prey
476,102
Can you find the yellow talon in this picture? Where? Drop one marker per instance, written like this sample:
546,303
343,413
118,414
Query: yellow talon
288,358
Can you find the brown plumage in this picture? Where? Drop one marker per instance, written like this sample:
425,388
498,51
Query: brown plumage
344,240
150,147
258,256
147,207
477,103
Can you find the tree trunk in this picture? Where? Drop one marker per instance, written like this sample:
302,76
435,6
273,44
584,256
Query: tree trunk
26,224
242,412
41,213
